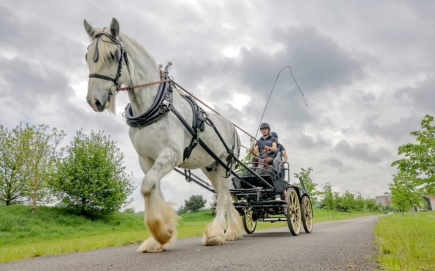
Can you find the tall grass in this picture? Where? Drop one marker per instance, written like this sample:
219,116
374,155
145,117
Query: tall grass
406,242
55,230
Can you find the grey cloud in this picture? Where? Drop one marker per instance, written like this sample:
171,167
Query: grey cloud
336,163
396,131
361,151
320,61
420,97
309,142
31,85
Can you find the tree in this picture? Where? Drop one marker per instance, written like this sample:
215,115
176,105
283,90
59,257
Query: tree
213,203
371,205
404,192
328,198
12,179
194,203
419,158
348,201
28,159
40,156
248,155
91,178
310,186
181,210
359,203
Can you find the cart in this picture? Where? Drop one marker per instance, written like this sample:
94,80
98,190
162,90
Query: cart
262,194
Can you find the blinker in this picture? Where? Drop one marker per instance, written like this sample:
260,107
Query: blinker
96,54
118,53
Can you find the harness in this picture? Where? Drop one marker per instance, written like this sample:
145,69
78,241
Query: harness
163,103
121,55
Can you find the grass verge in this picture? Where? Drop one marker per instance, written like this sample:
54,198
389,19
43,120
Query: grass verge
406,242
55,230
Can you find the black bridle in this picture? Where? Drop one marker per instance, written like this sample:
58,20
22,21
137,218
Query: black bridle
121,54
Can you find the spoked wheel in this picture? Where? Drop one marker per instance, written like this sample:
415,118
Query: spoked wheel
293,213
307,214
249,223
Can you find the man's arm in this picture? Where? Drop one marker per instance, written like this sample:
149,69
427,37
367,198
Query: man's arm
273,148
284,153
254,150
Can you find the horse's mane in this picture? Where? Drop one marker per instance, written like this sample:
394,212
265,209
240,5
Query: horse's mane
106,50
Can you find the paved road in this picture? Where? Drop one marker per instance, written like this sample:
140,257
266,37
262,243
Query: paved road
334,245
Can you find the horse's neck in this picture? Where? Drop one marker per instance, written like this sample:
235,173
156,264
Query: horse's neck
143,70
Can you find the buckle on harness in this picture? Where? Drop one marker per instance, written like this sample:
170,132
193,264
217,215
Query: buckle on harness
166,103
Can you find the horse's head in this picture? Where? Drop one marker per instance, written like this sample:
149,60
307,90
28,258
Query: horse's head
106,59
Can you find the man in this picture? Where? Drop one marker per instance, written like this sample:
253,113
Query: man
266,143
280,148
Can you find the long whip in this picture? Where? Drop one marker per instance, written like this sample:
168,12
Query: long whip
264,111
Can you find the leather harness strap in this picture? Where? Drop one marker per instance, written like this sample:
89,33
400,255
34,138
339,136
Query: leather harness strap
143,85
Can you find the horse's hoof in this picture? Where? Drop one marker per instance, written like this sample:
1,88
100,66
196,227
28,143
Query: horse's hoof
213,237
150,245
231,236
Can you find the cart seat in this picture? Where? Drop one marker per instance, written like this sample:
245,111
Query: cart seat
251,179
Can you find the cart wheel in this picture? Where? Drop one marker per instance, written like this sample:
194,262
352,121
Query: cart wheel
248,222
293,211
307,214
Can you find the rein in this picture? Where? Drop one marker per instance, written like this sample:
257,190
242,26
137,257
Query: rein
143,85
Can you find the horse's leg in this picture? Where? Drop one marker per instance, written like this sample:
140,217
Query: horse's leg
235,227
160,216
214,233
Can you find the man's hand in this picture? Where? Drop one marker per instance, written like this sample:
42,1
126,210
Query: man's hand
252,150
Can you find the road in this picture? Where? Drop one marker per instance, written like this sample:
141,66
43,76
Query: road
333,245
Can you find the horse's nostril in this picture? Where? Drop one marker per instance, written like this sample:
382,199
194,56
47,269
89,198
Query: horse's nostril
97,103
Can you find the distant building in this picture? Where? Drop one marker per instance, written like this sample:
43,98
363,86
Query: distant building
384,200
430,199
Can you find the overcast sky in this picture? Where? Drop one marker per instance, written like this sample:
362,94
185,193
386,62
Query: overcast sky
366,69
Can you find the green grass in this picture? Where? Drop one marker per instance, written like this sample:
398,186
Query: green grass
54,230
406,242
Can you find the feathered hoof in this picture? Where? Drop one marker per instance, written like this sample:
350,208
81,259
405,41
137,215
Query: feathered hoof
213,237
233,236
151,245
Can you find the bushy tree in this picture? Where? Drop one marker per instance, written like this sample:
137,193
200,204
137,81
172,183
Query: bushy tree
91,178
12,179
248,155
328,201
40,158
348,201
213,203
405,194
360,203
194,203
419,158
28,159
371,205
310,186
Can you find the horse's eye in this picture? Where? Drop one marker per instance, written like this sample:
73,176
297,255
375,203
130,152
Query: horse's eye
112,57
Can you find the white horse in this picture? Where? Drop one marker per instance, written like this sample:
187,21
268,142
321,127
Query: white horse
160,145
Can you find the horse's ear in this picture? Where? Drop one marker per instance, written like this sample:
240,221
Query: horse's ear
89,29
114,28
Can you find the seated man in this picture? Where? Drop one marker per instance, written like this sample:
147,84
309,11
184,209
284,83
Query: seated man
266,146
280,149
